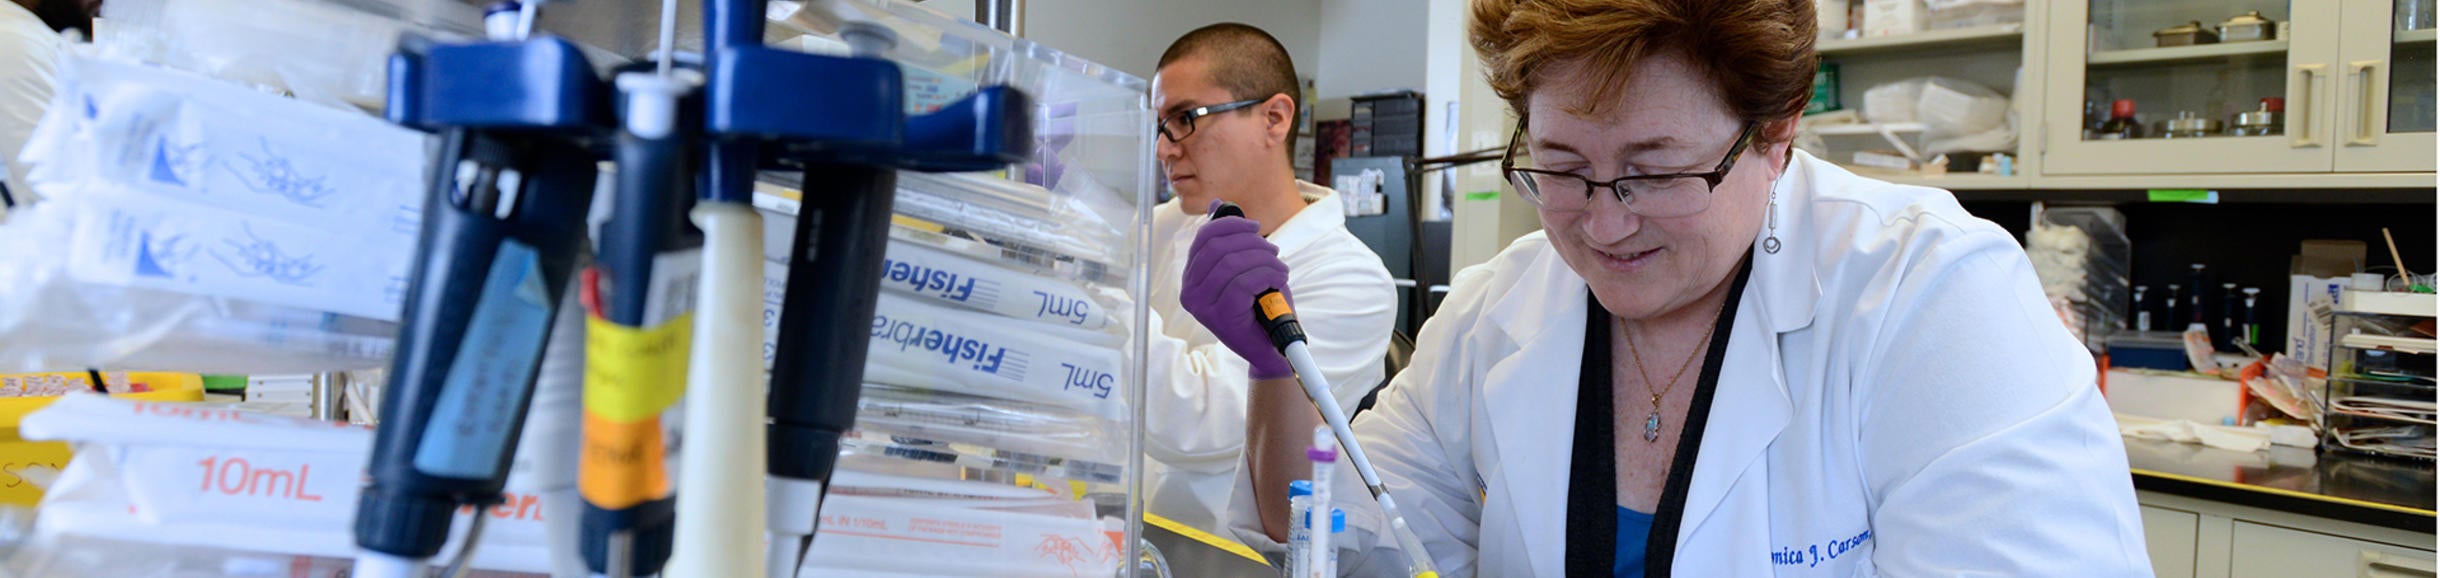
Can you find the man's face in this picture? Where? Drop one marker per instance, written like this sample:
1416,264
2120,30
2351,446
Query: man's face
1227,152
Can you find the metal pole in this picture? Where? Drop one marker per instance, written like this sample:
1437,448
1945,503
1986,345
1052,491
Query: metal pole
1003,15
327,389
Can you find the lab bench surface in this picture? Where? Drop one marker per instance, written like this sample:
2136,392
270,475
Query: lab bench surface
2336,485
1199,554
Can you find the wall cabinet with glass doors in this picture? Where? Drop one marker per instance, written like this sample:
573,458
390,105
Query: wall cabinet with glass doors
2231,87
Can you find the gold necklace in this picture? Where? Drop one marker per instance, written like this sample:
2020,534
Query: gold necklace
1652,421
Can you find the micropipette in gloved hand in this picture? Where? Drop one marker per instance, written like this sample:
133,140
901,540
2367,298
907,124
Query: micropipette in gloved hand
1279,320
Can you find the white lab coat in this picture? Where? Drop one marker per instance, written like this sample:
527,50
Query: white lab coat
1195,400
1897,399
28,51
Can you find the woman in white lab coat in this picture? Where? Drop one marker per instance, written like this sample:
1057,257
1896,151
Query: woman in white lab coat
1722,357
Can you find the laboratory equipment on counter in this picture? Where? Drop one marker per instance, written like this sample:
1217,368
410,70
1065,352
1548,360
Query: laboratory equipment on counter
2252,335
2189,34
2143,314
642,290
2168,306
1325,458
848,143
2248,27
2194,299
503,228
1300,539
2381,382
2262,121
2081,256
2229,330
1279,319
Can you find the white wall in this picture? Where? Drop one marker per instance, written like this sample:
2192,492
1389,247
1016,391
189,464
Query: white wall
1371,45
1130,34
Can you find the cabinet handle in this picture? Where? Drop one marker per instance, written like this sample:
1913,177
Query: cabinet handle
2374,564
2367,130
2300,98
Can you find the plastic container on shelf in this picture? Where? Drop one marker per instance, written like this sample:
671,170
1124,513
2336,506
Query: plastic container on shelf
2083,259
1948,14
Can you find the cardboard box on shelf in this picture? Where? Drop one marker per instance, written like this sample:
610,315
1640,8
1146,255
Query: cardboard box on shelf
2311,301
2317,275
2328,258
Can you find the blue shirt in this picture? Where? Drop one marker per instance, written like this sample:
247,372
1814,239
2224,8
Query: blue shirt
1634,529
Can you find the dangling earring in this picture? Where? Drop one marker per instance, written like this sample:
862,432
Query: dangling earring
1770,244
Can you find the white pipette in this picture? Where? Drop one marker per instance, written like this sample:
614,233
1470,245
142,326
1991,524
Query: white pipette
1272,310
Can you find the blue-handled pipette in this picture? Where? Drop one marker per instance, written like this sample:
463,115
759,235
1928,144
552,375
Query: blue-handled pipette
503,228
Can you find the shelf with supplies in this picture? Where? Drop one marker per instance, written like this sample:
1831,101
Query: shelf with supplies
1869,128
1992,35
2174,54
2424,346
2414,36
2390,303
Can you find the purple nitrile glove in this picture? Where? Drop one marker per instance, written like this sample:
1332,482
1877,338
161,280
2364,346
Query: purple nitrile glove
1227,267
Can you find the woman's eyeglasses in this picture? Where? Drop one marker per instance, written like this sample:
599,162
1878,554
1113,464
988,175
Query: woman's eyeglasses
1657,196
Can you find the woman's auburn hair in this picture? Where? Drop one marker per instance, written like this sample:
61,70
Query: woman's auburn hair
1757,53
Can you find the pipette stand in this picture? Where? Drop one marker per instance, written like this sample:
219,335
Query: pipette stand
842,122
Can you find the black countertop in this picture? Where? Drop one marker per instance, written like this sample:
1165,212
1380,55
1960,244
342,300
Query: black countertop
2336,485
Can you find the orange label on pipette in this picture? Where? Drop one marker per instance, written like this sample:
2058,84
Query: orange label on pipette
622,463
1274,305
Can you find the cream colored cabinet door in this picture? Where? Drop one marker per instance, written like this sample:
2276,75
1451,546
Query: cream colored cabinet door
2103,52
2386,105
2169,536
2260,551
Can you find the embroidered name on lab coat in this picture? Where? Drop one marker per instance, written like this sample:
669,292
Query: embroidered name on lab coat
1811,555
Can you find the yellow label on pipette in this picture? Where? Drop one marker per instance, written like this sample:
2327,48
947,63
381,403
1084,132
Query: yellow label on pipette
632,373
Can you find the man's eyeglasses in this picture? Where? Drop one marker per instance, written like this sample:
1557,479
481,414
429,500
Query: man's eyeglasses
1657,196
1181,125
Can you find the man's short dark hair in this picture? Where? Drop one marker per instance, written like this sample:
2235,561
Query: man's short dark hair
1242,59
63,15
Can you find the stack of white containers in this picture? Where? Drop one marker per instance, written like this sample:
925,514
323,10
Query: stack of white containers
999,425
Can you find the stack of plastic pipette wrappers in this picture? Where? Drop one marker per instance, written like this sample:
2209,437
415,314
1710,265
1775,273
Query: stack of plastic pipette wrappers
991,433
